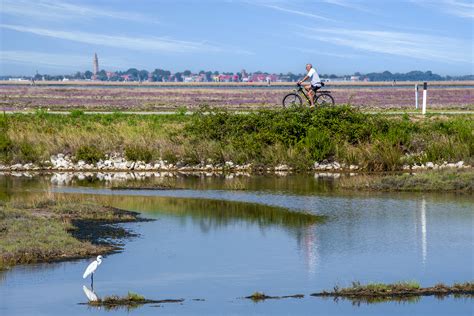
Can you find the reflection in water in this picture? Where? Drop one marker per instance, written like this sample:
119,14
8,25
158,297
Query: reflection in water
207,213
358,301
421,227
90,294
311,247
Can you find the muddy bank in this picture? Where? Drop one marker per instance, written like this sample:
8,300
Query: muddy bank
404,291
51,230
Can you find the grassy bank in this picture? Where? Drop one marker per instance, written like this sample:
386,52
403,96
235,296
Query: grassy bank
129,302
402,291
50,230
427,181
296,137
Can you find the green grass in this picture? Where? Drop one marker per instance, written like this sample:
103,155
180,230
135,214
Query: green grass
424,181
296,137
410,291
38,230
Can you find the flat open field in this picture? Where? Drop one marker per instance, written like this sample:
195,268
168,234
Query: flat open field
163,98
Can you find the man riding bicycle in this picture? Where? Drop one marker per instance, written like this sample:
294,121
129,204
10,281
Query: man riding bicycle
313,85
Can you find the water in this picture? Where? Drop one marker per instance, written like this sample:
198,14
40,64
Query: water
216,244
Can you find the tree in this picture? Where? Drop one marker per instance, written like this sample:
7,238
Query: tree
102,75
178,76
142,75
133,73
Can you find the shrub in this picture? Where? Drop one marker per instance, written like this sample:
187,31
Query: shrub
319,144
89,154
138,153
6,144
28,153
6,147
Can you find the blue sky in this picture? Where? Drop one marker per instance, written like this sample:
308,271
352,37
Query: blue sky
337,36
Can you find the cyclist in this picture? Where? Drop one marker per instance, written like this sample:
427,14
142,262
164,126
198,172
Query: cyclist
313,85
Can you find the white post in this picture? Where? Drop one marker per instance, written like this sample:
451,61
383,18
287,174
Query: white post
416,96
425,92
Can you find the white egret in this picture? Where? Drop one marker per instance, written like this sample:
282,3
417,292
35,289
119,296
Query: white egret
91,269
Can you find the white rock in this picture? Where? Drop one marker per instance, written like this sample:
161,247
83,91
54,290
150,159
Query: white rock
459,164
429,165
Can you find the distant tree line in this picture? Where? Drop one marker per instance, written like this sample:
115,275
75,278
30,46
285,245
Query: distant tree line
411,76
159,75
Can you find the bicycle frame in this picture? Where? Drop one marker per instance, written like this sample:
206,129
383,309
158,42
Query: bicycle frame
301,90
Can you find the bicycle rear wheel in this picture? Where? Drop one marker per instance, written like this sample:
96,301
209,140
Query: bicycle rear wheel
292,100
324,100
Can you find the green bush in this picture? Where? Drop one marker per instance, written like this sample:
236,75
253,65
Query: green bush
89,154
27,152
138,153
319,144
6,144
6,148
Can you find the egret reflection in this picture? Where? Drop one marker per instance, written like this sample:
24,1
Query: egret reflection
90,294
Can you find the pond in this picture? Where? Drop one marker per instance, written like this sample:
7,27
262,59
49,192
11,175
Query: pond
217,244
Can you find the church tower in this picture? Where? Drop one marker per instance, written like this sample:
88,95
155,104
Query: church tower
95,67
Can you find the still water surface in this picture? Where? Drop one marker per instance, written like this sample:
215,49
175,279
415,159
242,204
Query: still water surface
209,242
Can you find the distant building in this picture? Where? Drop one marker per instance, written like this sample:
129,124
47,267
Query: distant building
95,67
110,75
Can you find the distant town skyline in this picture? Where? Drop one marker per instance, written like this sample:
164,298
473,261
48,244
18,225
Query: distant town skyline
275,36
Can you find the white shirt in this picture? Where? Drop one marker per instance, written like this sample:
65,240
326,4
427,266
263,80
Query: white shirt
313,75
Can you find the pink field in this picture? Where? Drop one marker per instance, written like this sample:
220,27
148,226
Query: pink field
149,99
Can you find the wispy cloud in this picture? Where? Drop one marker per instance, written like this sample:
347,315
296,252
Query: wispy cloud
52,9
154,44
347,4
459,8
277,6
411,45
318,52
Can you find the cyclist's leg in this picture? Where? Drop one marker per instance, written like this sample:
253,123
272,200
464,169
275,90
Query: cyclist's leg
312,93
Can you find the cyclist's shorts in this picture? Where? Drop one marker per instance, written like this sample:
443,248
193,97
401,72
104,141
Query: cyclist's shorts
316,86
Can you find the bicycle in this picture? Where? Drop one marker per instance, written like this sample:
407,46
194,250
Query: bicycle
321,97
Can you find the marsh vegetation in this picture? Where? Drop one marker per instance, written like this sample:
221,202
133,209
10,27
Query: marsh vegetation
46,230
266,138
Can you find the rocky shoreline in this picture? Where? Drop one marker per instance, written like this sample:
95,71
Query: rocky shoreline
117,162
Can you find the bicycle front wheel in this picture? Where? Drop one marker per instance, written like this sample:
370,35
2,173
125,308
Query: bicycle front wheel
324,100
292,100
